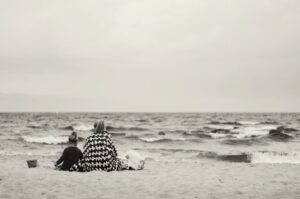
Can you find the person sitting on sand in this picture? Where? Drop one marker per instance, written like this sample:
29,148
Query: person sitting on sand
71,154
99,153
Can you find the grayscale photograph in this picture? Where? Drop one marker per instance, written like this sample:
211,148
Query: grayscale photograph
136,99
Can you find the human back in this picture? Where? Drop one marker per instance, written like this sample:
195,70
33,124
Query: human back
99,152
70,155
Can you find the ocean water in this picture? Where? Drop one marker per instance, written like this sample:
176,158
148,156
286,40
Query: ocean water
234,137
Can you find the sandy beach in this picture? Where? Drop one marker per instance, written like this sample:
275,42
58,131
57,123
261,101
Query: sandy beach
209,179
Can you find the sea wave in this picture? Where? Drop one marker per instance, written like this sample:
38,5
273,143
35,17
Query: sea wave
132,137
35,126
121,128
67,128
257,131
241,132
275,157
248,122
197,134
171,150
225,123
142,120
46,139
256,157
244,142
243,157
83,128
269,157
159,140
270,122
27,153
219,126
253,131
219,135
118,134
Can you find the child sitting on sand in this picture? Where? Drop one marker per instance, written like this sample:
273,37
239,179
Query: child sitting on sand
71,154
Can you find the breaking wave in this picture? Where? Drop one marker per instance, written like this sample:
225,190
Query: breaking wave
253,131
244,142
248,122
225,123
121,128
35,126
219,126
220,132
67,128
158,140
47,139
275,157
269,157
27,153
257,157
83,128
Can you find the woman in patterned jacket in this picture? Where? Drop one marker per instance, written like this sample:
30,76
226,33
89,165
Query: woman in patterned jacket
99,153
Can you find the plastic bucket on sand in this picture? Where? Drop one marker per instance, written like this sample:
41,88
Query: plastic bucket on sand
32,163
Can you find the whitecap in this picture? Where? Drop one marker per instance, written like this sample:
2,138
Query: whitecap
46,139
248,122
226,127
147,139
275,157
219,135
83,128
253,131
27,153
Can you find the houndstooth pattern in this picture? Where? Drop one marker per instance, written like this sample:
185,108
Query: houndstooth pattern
99,154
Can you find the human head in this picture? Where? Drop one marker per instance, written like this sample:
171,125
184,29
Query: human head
99,127
73,138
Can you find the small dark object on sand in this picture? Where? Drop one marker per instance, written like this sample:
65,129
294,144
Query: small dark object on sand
32,163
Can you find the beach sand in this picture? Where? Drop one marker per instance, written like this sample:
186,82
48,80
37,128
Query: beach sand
207,179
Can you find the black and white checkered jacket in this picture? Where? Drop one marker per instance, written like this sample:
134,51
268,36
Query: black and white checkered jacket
99,154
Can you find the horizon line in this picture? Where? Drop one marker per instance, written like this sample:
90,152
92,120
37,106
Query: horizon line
297,112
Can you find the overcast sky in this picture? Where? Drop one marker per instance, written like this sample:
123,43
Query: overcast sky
155,55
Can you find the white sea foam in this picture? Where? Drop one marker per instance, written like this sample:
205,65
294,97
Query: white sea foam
83,128
243,132
27,153
218,135
251,131
220,126
248,122
150,139
275,157
147,139
47,139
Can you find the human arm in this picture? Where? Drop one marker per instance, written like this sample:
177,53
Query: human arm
61,159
